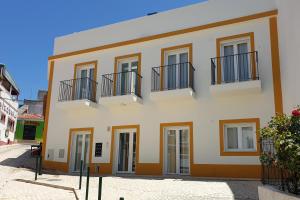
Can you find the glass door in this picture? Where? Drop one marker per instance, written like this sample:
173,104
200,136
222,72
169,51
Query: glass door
84,83
235,63
177,160
126,148
80,151
176,69
177,151
127,78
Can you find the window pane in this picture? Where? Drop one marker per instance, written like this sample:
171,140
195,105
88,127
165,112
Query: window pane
184,151
228,64
171,152
247,138
243,69
232,138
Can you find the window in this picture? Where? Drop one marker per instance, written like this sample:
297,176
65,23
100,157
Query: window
239,137
3,117
11,125
236,58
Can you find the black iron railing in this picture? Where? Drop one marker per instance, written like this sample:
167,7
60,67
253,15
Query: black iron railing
171,77
77,89
272,174
234,68
122,83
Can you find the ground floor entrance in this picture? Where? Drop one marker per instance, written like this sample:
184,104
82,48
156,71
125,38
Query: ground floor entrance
80,150
29,132
125,151
176,146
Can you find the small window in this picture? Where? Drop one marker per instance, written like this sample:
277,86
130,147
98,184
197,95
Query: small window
11,125
3,117
240,137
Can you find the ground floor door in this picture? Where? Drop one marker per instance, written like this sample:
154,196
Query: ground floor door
29,132
177,150
125,146
80,151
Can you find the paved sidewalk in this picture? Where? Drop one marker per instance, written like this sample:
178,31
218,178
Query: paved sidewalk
131,188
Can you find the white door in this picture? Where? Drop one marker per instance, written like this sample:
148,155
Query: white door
127,78
176,69
235,61
80,151
177,151
84,83
125,161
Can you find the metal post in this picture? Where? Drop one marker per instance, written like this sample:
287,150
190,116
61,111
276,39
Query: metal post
40,165
100,188
36,167
121,198
80,175
87,183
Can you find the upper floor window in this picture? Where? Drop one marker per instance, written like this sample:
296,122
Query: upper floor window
3,117
236,59
10,125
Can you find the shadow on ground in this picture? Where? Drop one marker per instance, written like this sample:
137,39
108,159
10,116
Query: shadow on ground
25,160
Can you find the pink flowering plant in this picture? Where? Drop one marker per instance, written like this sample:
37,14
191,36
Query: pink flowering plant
284,131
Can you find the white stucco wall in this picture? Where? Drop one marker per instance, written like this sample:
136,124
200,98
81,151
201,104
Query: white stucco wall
204,111
289,46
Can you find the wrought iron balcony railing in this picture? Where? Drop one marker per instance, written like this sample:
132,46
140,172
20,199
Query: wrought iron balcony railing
172,77
234,68
77,89
121,83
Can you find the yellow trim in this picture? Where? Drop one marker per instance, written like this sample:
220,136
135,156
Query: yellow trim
139,57
219,41
161,149
188,46
226,171
114,128
74,131
237,121
47,108
78,65
276,65
60,166
167,34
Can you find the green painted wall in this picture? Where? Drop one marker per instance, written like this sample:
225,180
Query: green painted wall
20,129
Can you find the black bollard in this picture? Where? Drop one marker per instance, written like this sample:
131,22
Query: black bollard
121,198
36,167
40,165
100,188
87,183
80,174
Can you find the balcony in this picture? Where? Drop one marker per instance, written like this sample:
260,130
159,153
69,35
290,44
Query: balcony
235,74
121,88
172,81
77,93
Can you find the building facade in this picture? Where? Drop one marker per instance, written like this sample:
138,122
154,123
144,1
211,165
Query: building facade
9,93
30,125
182,92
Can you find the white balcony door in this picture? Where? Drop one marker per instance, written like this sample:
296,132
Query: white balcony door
125,151
127,77
177,151
84,82
80,149
235,61
176,69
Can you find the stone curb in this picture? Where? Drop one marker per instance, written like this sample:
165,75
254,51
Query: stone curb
50,185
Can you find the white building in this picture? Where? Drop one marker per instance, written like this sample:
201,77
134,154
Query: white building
179,92
9,93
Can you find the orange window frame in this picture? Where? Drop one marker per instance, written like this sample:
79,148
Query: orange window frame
222,123
221,40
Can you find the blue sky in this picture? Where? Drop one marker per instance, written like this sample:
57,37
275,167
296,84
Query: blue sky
28,29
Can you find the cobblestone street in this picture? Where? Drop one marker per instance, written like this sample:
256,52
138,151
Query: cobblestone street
131,188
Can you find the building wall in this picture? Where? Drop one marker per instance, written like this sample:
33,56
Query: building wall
289,42
204,111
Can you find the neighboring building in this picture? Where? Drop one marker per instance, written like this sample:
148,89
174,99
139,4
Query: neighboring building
30,124
9,93
179,92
